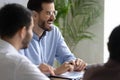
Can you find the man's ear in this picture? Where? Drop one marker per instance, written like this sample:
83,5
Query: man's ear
22,32
35,15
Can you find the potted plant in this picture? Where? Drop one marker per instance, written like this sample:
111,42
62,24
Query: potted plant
75,17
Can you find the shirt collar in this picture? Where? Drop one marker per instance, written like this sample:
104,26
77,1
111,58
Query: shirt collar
35,36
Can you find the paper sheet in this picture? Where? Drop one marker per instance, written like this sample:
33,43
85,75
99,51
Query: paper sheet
72,74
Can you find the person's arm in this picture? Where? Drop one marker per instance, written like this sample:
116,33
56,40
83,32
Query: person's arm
65,67
46,69
63,53
79,64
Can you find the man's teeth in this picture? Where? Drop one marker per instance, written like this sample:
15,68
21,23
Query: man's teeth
50,22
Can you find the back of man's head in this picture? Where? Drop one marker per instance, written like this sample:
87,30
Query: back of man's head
36,5
13,17
114,44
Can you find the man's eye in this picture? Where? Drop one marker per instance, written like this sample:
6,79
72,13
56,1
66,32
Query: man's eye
52,13
48,13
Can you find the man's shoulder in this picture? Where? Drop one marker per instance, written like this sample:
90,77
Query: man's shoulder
55,28
95,67
11,58
17,58
93,71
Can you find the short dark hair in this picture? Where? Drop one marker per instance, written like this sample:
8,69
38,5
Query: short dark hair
36,5
114,44
13,17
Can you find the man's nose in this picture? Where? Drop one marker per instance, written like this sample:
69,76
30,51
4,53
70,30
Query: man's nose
53,17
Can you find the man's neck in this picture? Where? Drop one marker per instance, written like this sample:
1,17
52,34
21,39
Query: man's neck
38,31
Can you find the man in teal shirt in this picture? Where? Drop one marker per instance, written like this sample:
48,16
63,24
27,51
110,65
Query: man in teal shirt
47,42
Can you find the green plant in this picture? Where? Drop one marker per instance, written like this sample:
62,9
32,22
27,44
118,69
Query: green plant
75,17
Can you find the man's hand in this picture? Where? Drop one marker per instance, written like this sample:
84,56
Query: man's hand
45,68
64,68
79,64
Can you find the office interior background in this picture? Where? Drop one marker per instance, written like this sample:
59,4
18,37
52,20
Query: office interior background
95,50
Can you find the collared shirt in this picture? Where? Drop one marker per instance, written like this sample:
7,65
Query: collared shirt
14,66
47,48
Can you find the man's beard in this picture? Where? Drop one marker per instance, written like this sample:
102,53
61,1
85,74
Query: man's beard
42,25
26,41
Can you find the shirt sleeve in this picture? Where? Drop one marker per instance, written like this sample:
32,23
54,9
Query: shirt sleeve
28,71
63,52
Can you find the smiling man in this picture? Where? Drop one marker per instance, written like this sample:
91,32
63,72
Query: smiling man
47,42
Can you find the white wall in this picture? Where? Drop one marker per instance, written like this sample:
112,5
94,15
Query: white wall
92,51
23,2
112,19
